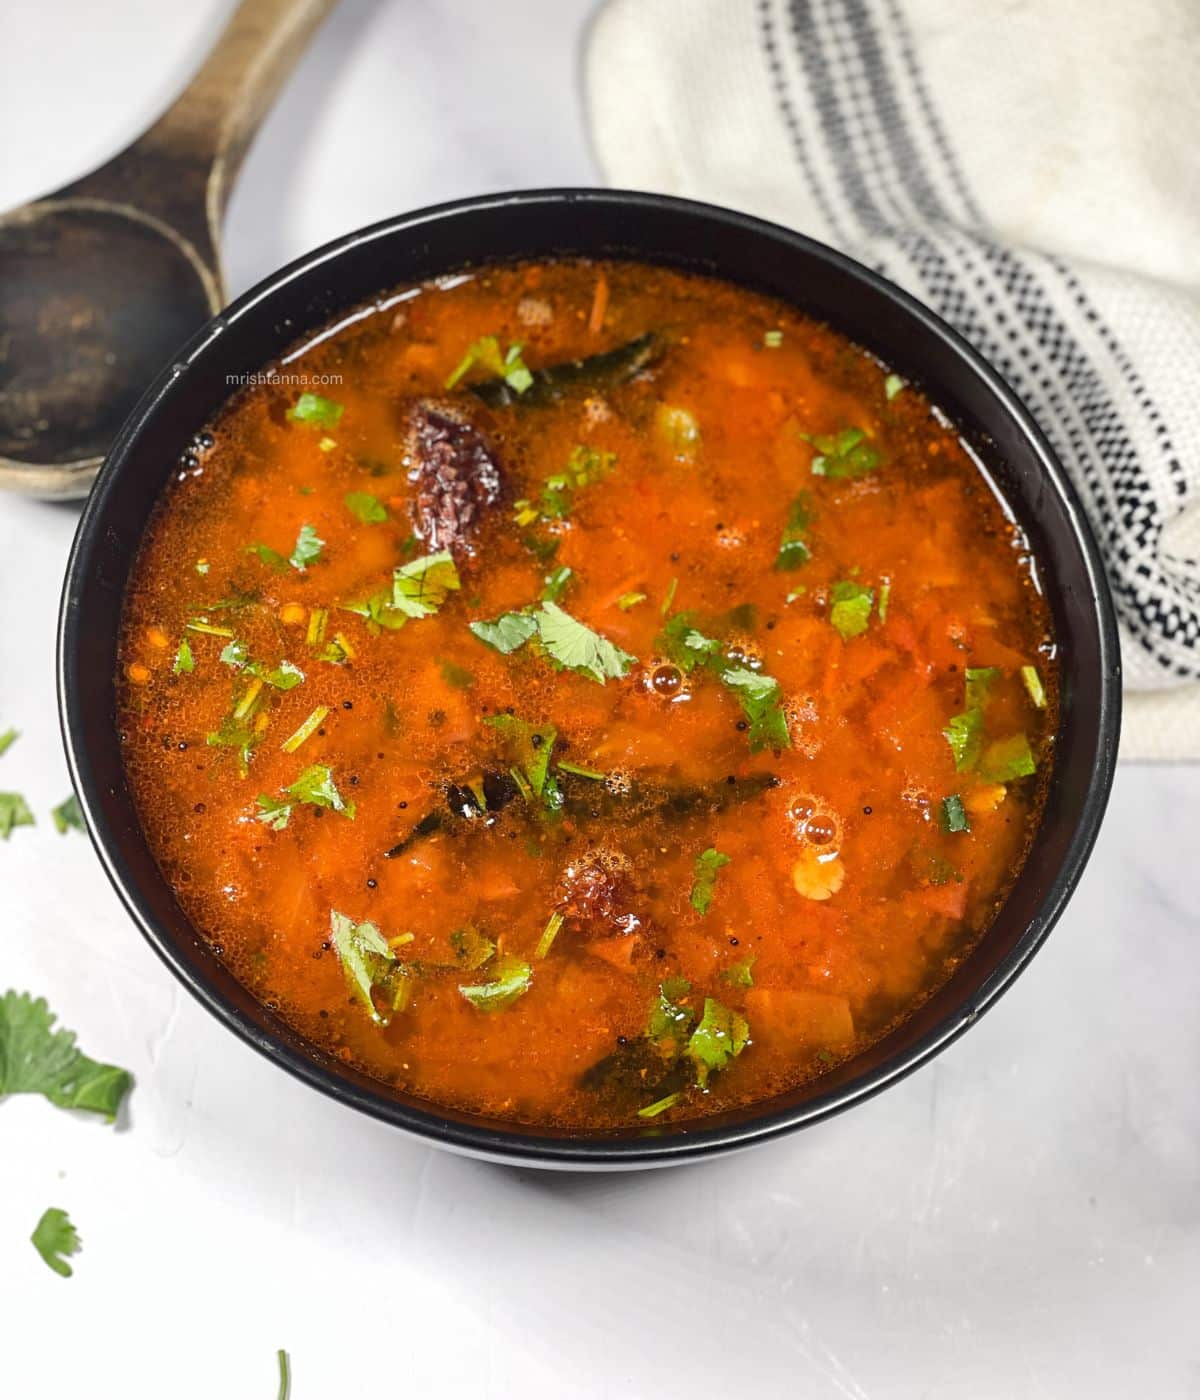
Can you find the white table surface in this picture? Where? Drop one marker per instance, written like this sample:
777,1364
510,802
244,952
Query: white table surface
1018,1219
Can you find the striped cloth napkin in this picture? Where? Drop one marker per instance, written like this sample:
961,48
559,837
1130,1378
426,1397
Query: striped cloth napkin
1031,171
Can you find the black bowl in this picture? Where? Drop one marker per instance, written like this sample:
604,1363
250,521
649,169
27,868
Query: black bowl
595,223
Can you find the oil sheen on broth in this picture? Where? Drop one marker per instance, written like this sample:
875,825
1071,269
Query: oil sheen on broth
586,694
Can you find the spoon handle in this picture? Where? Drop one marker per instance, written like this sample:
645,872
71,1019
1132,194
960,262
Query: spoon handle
215,118
181,170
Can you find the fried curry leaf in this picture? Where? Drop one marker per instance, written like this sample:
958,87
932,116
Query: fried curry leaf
508,632
704,885
762,703
14,812
316,787
369,509
721,1036
37,1059
372,971
185,662
420,587
307,548
793,546
577,647
67,816
315,411
55,1239
512,980
953,816
846,455
851,608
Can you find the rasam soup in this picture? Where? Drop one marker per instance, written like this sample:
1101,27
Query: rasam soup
586,694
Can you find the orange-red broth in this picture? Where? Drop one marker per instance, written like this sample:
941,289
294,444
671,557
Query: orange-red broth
844,901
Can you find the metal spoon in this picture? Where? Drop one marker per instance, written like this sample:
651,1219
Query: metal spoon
103,280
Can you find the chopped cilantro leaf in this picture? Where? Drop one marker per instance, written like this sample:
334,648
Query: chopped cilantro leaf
316,411
508,632
306,730
235,654
964,734
953,816
630,600
721,1036
565,766
512,980
1033,684
686,646
14,812
577,647
793,546
762,704
273,811
457,676
420,587
316,787
1006,759
471,948
741,973
369,509
549,934
704,886
530,747
285,676
679,429
652,1110
379,610
55,1239
185,662
8,739
670,1016
307,548
371,970
269,556
844,456
238,733
556,583
67,816
980,680
892,385
851,608
508,366
37,1059
772,339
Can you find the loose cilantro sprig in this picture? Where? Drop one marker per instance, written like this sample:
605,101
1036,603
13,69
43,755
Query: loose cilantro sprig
793,545
37,1059
372,970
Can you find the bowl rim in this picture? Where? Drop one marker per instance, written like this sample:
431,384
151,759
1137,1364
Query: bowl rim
520,1146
